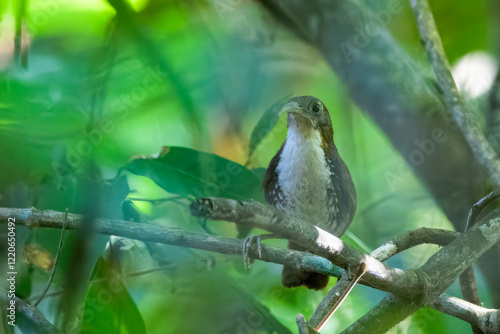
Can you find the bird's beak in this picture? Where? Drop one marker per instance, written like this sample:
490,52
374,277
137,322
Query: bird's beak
292,107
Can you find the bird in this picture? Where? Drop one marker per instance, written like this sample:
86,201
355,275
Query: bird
307,179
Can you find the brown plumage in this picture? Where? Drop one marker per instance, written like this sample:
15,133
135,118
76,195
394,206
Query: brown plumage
308,179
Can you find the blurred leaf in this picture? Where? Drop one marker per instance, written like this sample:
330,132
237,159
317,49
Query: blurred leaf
353,240
260,172
35,254
185,171
265,125
109,308
3,8
427,320
70,193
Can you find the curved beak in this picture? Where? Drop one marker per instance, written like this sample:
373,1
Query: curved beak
292,107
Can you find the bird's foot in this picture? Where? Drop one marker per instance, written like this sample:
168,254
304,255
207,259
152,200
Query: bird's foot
249,242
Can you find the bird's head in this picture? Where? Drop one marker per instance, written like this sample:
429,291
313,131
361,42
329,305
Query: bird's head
307,114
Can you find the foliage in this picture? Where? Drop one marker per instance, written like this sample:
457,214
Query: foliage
96,83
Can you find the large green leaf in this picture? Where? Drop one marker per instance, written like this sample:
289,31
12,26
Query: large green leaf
266,123
109,308
185,171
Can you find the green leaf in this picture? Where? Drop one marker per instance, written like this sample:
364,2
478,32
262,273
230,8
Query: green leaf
185,171
353,240
109,308
260,172
266,123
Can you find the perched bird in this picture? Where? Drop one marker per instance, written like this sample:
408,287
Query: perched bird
307,179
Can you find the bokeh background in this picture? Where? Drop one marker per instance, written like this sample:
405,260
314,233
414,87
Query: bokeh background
87,86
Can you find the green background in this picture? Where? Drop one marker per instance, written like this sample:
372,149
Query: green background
97,84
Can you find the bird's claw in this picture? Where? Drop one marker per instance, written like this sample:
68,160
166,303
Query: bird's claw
247,244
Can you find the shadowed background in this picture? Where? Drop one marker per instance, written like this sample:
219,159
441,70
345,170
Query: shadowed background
85,86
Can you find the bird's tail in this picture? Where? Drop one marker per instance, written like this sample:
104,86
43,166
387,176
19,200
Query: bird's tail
291,278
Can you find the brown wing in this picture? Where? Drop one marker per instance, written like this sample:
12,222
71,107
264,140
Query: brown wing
344,191
270,182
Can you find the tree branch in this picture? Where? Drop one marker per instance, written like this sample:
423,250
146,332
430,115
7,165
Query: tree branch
303,325
463,115
389,312
33,218
420,286
36,319
414,238
386,83
304,261
335,298
486,320
315,239
54,266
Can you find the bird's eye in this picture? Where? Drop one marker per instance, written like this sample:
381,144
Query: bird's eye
316,108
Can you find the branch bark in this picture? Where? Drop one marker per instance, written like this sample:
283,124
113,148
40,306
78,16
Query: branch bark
421,286
313,238
414,238
33,218
36,319
486,320
463,115
406,103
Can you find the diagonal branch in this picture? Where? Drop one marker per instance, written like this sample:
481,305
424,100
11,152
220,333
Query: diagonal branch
407,104
414,238
400,243
313,238
33,218
335,298
36,319
463,115
421,286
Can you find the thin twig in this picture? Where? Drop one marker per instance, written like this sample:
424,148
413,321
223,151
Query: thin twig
33,218
462,114
159,200
335,298
53,271
428,282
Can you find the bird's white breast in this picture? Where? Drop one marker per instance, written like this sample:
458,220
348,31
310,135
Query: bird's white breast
304,177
